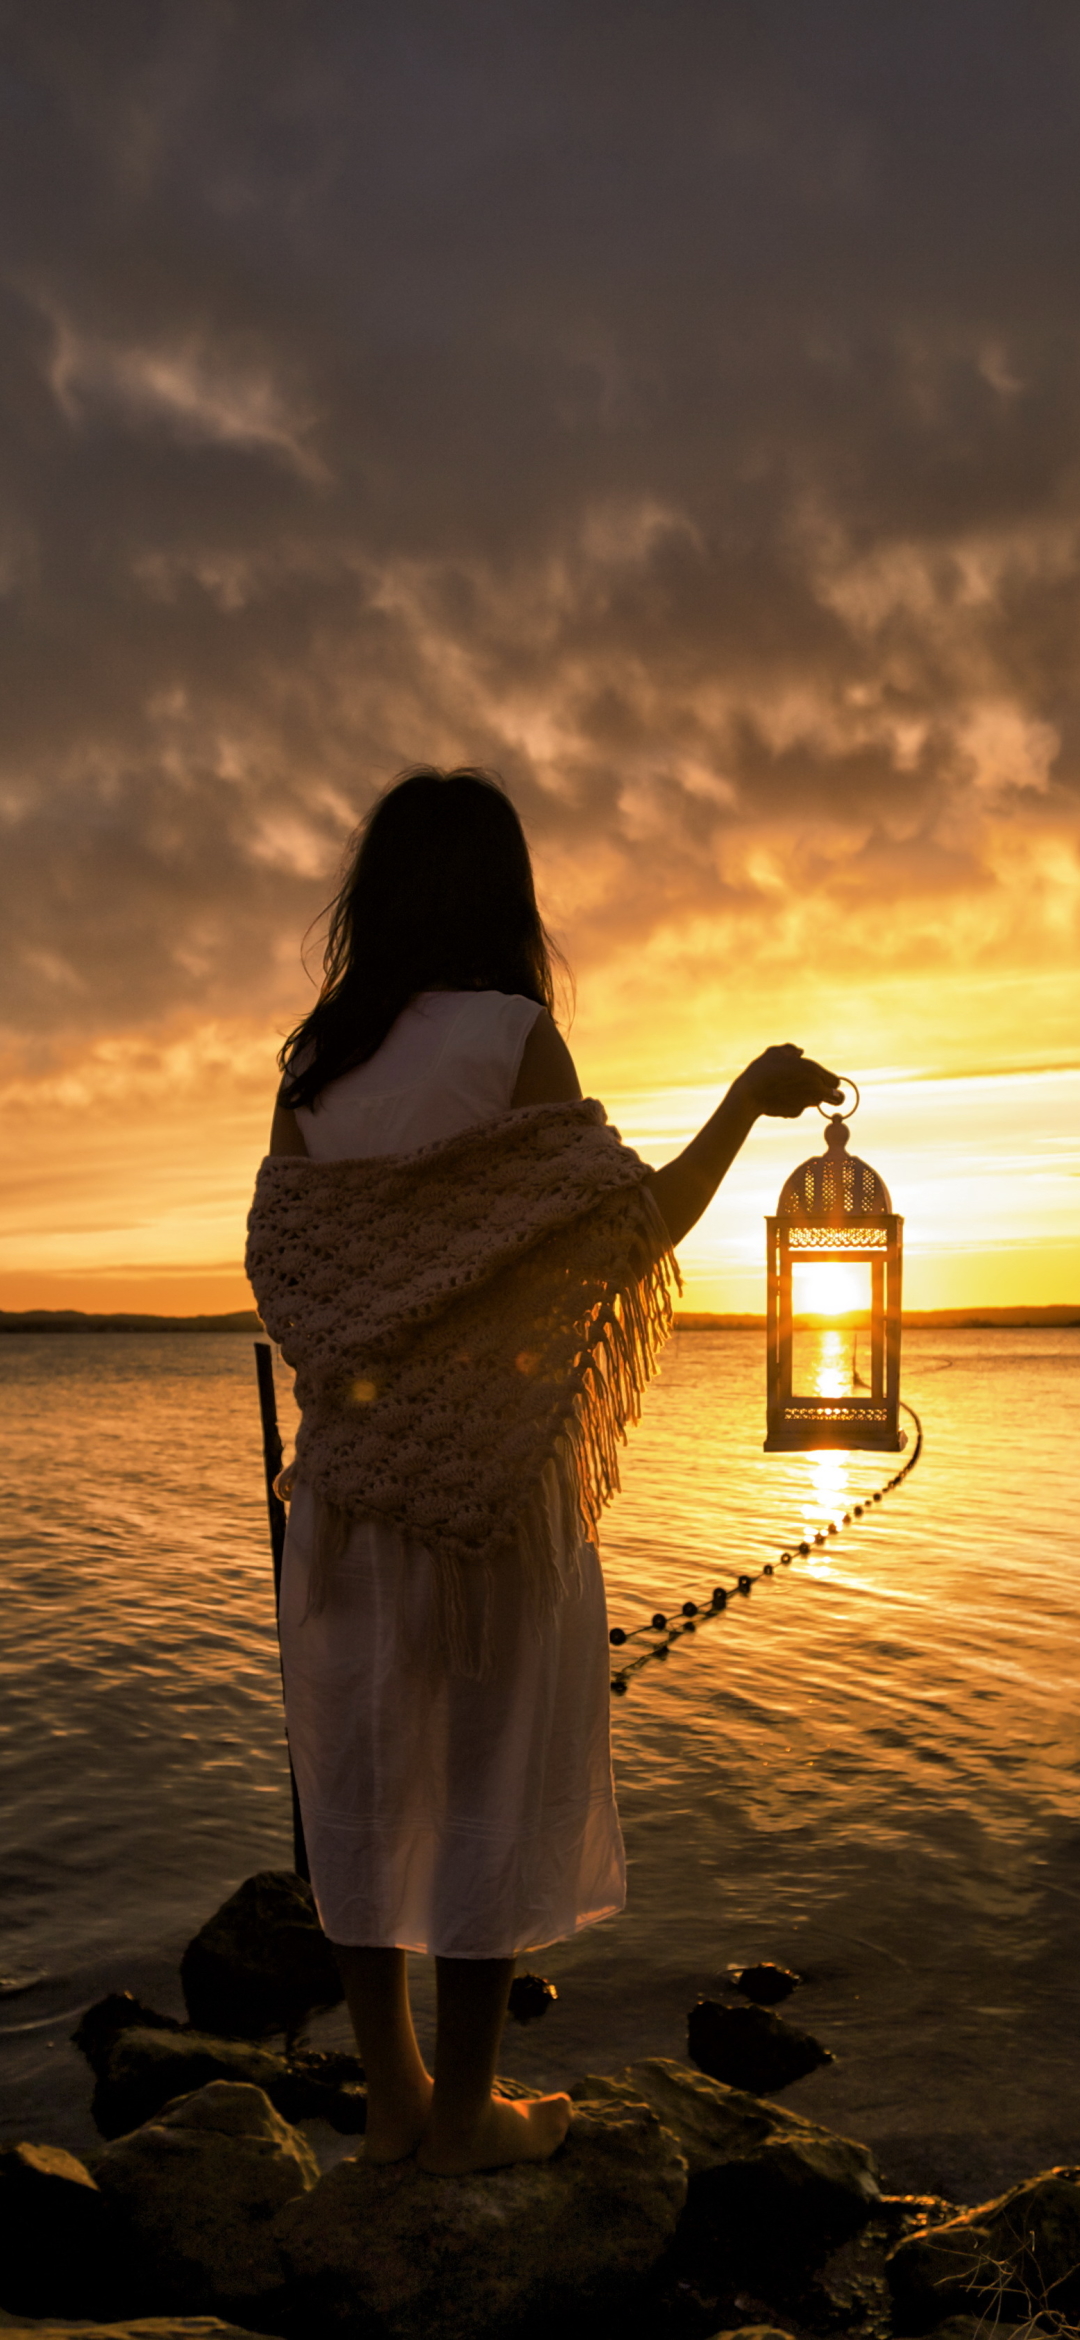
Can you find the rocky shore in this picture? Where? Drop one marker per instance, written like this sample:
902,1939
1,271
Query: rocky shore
230,2193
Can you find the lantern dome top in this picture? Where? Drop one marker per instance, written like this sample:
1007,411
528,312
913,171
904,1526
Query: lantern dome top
833,1189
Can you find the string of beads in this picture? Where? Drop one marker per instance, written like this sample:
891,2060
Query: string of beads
668,1630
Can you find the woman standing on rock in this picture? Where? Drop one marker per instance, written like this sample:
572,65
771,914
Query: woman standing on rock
471,1276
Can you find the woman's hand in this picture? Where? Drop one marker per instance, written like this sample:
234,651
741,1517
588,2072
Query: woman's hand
783,1082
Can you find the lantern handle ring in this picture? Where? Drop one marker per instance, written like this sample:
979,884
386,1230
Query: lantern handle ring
828,1112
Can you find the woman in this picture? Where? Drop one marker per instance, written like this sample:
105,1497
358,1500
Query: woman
469,1272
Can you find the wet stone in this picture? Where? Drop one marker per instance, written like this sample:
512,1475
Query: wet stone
530,1997
1016,2257
199,2189
767,2189
141,2070
102,2023
749,2047
137,2328
262,1962
395,2251
753,2332
766,1984
60,2239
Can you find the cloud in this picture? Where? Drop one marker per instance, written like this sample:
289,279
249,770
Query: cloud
673,408
183,389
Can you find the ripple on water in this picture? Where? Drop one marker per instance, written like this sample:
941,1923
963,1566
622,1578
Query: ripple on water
867,1769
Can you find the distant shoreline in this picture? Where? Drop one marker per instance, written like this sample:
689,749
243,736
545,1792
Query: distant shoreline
76,1320
245,1320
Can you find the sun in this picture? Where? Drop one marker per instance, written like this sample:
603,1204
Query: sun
830,1288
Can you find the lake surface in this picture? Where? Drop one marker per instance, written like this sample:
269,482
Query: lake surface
868,1769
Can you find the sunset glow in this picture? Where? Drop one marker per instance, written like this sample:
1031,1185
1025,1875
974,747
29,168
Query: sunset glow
732,516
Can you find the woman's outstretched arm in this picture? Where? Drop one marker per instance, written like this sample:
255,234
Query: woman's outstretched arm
782,1082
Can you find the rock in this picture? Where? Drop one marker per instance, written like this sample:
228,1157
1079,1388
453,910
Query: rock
754,2332
140,2071
766,2185
749,2048
323,2084
199,2189
262,1962
143,2328
107,2018
974,2328
530,1997
471,2258
1016,2256
766,1984
60,2237
903,2214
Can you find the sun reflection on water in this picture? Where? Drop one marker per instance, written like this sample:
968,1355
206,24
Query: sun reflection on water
828,1496
834,1373
827,1362
830,1367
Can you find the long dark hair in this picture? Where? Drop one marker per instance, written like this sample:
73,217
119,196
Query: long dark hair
438,894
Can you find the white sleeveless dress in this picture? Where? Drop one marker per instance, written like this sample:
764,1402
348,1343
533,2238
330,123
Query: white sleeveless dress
470,1819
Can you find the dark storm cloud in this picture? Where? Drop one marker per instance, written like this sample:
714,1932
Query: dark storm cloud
674,406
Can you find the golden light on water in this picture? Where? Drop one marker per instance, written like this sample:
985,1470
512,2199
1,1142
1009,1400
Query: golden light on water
828,1362
830,1493
835,1369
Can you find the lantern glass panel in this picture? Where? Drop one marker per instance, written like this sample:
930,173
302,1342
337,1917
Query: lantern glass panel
830,1303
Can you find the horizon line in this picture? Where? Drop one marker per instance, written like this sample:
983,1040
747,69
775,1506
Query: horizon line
976,1315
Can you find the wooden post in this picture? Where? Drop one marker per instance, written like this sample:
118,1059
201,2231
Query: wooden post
272,1459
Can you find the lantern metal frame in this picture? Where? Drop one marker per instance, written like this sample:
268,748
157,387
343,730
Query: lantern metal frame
833,1208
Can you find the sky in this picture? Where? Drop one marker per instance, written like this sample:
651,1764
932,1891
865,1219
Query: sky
674,408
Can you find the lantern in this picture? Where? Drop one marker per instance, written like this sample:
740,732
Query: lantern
834,1212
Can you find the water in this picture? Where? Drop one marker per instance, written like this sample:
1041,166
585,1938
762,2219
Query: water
867,1770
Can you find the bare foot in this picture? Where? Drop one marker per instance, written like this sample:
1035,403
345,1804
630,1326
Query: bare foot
394,2130
509,2130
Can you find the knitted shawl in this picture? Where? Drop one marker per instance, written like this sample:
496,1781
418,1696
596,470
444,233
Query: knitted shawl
460,1320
